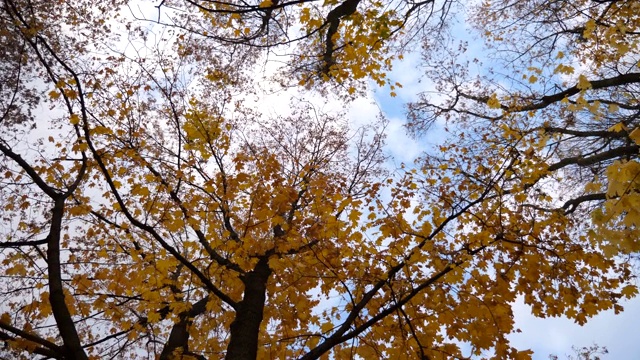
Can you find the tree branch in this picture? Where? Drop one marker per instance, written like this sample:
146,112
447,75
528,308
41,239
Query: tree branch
590,160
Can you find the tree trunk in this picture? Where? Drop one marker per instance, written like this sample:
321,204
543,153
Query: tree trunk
179,336
245,328
68,332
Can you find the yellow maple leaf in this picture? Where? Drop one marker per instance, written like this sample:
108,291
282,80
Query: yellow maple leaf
583,83
5,318
618,127
592,187
54,94
326,327
635,135
74,119
493,102
629,291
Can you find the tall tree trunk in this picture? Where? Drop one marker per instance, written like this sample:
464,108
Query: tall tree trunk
245,328
59,307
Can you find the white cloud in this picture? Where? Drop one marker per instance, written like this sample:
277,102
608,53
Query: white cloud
402,147
618,333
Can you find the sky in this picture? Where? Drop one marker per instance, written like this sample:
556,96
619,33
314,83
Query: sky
618,333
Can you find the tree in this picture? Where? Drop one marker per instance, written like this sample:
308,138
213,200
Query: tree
592,352
569,114
344,41
161,216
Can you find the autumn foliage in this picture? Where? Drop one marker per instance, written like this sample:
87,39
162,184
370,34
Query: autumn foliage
150,208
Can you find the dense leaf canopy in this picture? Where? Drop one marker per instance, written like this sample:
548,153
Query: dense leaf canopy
150,208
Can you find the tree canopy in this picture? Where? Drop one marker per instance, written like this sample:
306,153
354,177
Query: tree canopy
150,209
